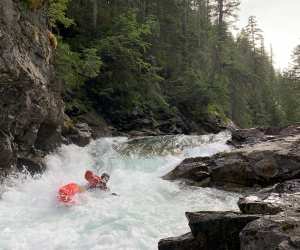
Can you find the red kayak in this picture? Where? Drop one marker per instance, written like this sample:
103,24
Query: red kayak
67,193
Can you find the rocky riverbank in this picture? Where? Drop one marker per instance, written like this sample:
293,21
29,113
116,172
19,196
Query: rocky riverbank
266,168
30,105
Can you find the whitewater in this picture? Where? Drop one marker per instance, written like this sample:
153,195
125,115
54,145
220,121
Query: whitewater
147,209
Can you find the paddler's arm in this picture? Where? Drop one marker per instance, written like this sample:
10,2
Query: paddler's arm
82,189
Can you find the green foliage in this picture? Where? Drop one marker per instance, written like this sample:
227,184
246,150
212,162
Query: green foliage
57,13
74,68
128,80
162,59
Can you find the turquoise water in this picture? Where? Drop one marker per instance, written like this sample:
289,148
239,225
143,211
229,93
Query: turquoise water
146,210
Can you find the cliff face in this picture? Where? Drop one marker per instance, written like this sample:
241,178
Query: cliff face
31,109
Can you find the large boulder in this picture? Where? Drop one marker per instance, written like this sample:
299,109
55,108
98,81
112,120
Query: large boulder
279,228
281,197
183,242
270,218
218,230
264,163
210,230
30,104
280,232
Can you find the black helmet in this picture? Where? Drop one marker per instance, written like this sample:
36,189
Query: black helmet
105,177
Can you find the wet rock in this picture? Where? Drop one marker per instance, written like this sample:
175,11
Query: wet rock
255,205
143,133
274,222
79,133
210,230
184,242
241,137
83,136
29,95
280,227
263,164
272,232
191,170
219,230
48,138
247,136
98,126
6,151
281,197
31,165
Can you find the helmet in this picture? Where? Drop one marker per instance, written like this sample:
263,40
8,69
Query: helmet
88,174
105,177
92,179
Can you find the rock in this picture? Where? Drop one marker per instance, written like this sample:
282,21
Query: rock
48,138
143,133
190,170
255,205
210,230
264,163
219,230
247,136
98,126
31,107
6,151
281,228
272,232
241,137
272,214
79,133
184,242
281,197
31,165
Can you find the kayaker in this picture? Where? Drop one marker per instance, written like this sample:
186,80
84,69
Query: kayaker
67,193
95,181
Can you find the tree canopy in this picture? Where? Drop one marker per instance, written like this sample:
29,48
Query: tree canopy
170,58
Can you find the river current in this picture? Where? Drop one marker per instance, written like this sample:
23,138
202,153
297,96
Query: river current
147,209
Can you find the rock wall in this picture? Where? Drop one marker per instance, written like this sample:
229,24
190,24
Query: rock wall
31,108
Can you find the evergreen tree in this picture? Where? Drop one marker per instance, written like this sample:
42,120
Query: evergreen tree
171,58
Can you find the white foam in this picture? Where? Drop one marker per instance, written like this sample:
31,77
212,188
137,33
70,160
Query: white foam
147,209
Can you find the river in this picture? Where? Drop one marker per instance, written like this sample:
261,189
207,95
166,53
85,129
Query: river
147,209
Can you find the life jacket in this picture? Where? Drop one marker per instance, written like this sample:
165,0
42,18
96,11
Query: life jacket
66,193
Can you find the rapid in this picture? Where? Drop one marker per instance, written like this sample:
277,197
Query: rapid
147,209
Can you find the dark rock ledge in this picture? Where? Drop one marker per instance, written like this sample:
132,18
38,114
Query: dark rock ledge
257,165
267,170
270,220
